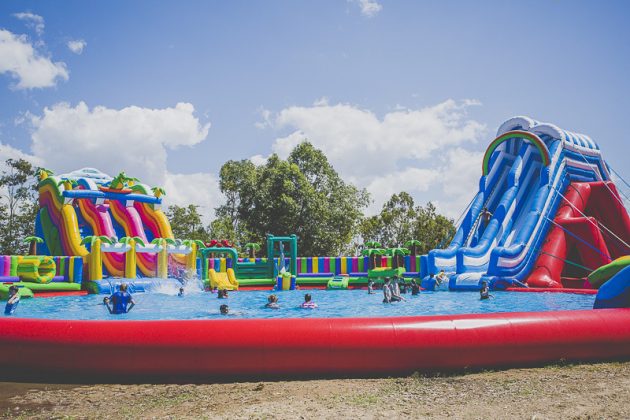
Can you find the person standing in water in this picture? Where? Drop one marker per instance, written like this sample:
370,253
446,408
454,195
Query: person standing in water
121,301
484,293
12,302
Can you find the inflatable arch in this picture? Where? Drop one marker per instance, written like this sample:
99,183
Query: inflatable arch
530,137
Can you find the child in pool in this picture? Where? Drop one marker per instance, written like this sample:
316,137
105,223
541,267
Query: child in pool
484,293
106,303
308,304
272,302
370,287
12,302
181,292
224,309
223,294
415,288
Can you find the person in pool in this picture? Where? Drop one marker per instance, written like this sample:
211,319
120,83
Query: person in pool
223,294
484,293
121,301
415,288
441,277
395,291
387,291
181,292
272,302
370,287
12,301
224,309
106,303
308,303
402,285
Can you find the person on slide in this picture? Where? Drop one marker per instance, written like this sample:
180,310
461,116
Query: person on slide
121,301
12,302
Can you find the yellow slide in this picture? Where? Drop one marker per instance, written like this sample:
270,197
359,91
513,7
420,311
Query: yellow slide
223,281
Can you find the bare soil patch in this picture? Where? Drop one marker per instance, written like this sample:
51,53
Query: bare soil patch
572,391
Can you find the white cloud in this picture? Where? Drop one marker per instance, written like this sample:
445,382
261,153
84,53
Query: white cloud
425,152
369,8
23,62
32,20
8,152
133,139
77,46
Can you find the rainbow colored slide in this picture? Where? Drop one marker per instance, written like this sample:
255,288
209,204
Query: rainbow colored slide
82,203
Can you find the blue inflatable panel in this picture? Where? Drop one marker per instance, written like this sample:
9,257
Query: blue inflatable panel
428,283
109,286
615,293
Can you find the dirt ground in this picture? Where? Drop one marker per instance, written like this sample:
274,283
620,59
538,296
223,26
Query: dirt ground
567,392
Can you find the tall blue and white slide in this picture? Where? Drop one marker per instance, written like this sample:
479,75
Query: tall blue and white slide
525,171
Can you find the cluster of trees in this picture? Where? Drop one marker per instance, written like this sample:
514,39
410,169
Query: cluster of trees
18,205
306,196
302,194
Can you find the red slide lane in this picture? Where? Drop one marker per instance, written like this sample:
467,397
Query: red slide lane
204,349
599,202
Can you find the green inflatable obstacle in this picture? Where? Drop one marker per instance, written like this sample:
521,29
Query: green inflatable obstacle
605,272
338,282
382,272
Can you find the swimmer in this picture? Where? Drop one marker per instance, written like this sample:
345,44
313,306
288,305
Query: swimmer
370,287
106,303
415,288
387,291
272,302
224,309
308,304
181,292
484,293
121,301
402,285
12,301
223,294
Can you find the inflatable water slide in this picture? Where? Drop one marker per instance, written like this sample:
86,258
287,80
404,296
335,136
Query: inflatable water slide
83,203
545,215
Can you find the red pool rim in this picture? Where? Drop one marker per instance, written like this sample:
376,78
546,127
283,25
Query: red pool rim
200,350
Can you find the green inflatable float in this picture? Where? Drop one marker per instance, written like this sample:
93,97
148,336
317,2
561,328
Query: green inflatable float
605,272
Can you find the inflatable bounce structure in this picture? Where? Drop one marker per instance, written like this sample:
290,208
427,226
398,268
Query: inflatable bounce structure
545,215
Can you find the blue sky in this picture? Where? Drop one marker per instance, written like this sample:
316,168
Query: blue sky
348,75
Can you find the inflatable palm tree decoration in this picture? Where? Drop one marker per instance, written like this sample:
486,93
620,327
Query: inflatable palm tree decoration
131,263
252,248
158,192
162,265
32,241
398,256
68,184
96,257
121,181
373,254
44,173
414,246
195,246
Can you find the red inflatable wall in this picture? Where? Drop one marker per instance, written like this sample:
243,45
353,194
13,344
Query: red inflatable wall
601,204
255,348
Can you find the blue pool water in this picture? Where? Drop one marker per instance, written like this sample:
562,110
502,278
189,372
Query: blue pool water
196,304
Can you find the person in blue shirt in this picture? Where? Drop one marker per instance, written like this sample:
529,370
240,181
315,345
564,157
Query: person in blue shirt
121,301
12,302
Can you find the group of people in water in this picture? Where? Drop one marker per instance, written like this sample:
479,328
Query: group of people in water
121,301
